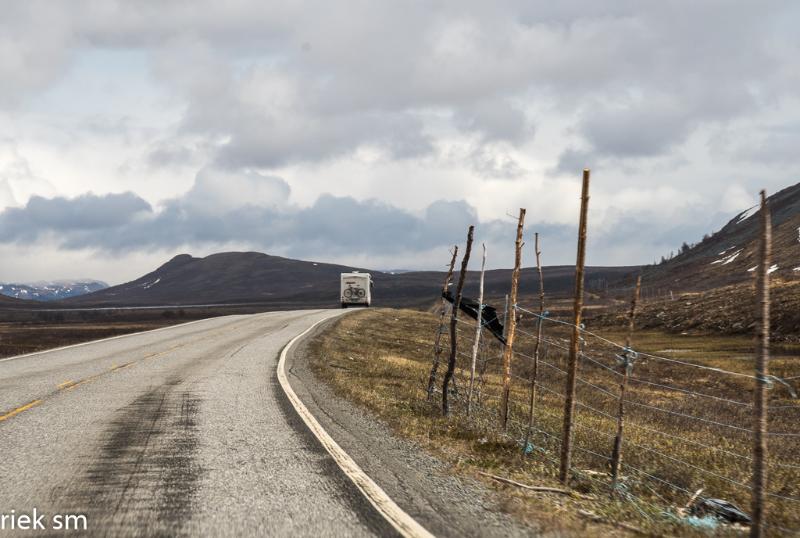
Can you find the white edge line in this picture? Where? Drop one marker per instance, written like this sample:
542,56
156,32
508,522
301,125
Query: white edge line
396,516
90,342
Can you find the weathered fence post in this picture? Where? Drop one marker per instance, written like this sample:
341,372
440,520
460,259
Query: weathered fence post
478,326
627,365
511,321
762,371
437,348
451,364
537,346
572,367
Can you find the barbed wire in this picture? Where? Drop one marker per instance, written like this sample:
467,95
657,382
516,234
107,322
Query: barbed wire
583,330
596,395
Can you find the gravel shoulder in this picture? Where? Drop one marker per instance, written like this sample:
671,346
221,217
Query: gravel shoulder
419,483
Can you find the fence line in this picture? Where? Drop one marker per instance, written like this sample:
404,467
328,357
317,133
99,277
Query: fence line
686,422
599,361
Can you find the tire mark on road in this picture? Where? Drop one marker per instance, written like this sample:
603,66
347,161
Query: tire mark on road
147,467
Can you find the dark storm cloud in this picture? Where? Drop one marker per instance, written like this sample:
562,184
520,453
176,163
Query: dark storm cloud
332,225
91,215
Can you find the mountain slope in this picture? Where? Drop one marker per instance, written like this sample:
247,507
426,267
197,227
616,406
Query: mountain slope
252,277
728,256
223,278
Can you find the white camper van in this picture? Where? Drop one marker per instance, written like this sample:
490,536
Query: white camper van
356,289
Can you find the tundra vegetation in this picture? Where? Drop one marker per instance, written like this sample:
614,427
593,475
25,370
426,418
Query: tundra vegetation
687,425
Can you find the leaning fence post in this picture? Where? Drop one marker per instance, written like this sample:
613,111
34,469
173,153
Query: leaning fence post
537,346
451,364
511,321
627,365
437,347
572,367
478,326
762,371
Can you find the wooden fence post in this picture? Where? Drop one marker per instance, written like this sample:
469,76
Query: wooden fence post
572,367
478,326
537,346
437,348
627,357
762,371
511,321
451,364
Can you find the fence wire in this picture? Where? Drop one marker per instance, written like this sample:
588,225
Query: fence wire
688,422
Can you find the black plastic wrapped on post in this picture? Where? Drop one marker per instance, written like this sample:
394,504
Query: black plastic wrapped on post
489,314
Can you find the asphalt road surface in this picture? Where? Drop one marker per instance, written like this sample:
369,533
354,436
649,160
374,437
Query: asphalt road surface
182,431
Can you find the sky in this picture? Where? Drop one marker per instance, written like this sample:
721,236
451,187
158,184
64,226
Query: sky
373,133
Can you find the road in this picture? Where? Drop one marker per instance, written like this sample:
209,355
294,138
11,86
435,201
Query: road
181,431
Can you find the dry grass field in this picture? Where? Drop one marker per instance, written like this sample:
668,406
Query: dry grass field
688,417
21,338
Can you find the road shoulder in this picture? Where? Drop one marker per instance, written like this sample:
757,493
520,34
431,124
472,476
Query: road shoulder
419,483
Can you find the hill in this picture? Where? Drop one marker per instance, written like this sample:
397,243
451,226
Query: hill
708,287
11,301
253,277
728,256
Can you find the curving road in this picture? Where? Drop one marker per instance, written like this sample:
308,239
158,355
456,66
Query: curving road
181,431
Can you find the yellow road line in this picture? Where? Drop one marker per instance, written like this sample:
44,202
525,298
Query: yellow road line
19,410
65,384
87,380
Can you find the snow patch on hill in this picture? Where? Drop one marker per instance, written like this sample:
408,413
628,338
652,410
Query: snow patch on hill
149,285
746,214
727,259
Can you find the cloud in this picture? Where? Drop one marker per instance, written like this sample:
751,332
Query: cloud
644,129
375,113
218,192
77,221
6,196
224,208
495,120
249,210
310,81
35,46
771,145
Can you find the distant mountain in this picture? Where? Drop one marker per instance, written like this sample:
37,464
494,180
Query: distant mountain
51,291
229,277
729,255
253,277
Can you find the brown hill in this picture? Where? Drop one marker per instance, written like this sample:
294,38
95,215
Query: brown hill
13,302
729,255
726,310
252,277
